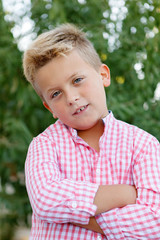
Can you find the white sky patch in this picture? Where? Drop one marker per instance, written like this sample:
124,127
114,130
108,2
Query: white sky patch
82,1
118,14
157,92
138,68
19,11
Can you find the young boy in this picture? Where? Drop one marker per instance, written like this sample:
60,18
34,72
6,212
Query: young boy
81,170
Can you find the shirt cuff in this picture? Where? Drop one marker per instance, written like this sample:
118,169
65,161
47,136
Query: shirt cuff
81,204
109,223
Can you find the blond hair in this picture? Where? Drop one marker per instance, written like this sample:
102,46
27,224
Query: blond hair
56,42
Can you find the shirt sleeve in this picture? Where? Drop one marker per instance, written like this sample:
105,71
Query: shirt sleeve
141,220
52,197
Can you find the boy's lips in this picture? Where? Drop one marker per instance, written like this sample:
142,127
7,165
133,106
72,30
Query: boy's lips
80,109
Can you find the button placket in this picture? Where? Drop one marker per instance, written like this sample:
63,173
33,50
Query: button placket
98,171
74,205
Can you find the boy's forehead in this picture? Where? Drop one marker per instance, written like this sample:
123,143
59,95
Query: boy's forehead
69,62
63,68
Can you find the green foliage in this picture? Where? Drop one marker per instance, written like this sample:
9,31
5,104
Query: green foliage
139,43
13,144
131,50
20,114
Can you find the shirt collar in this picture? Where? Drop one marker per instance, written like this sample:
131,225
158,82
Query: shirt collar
107,116
73,132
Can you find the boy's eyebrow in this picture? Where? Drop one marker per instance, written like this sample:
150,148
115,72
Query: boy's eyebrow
75,74
67,79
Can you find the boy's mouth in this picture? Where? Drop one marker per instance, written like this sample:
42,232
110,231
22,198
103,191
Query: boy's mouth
81,109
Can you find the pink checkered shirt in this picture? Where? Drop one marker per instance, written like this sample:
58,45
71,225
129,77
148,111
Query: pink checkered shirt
63,174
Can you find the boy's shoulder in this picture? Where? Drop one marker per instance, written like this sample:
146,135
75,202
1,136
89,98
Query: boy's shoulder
136,138
136,133
54,132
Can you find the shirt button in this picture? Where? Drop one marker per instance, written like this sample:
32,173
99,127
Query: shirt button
99,238
74,204
98,171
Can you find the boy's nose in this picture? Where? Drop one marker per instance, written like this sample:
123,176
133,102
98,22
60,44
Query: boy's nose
72,97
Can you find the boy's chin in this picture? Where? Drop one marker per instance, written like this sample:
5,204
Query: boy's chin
82,128
85,127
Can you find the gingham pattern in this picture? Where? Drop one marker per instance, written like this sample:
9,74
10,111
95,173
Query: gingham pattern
63,174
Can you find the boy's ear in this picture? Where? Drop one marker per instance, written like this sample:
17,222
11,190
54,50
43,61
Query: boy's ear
48,108
105,74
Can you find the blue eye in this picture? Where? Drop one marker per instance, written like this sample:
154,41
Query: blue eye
77,80
55,94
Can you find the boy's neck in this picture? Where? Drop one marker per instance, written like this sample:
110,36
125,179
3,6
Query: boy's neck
92,135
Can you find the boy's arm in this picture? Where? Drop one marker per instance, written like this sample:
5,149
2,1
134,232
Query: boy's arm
140,220
114,196
109,197
53,198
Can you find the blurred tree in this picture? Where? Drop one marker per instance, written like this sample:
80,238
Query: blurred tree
14,135
18,125
137,61
126,35
88,15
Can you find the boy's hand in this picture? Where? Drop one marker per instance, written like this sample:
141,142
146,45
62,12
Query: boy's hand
92,225
114,196
107,198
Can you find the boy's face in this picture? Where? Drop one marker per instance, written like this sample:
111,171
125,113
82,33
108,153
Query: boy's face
73,90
